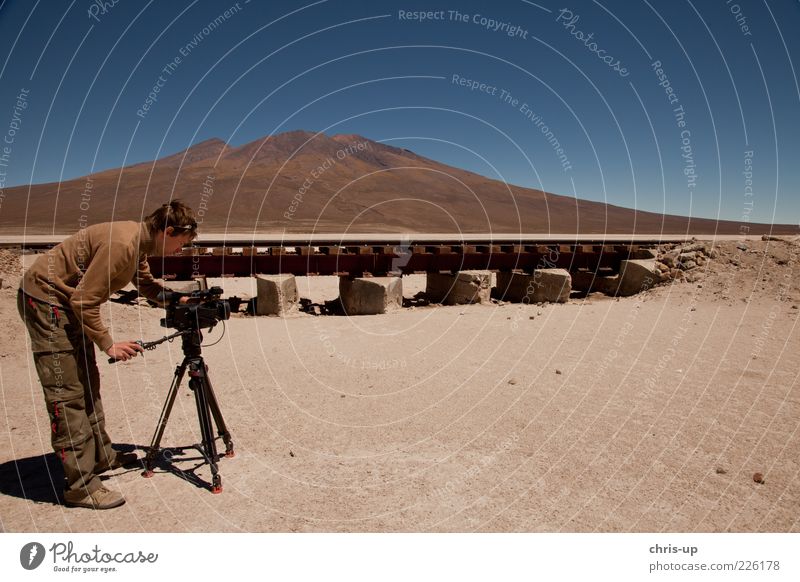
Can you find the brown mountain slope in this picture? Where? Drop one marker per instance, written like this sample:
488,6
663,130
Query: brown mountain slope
303,182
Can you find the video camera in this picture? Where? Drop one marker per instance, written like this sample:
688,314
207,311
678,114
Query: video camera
203,310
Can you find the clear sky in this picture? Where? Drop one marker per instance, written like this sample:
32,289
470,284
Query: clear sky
679,106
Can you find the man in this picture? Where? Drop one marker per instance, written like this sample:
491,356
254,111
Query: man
59,299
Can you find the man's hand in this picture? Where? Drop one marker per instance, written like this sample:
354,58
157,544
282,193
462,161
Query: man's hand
124,350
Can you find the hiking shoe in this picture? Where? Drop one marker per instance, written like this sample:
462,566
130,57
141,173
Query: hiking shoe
102,498
120,460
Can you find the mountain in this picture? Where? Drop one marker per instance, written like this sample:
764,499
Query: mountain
300,181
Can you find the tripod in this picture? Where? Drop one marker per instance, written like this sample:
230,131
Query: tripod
207,407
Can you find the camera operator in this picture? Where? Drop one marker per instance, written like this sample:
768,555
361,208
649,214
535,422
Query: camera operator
59,300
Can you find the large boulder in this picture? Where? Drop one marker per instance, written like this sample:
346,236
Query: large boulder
459,288
277,294
551,285
544,286
370,295
636,276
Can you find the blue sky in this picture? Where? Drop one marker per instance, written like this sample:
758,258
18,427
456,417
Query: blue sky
568,97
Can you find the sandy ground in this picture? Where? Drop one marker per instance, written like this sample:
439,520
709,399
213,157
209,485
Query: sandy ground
650,413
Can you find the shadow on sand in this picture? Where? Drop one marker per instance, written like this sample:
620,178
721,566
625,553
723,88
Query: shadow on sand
40,479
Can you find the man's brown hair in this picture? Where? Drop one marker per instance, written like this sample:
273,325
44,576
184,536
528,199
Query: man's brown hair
175,214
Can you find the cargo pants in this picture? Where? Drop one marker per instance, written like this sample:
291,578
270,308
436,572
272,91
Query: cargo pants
66,366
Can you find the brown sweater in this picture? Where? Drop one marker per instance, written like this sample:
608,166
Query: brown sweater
83,271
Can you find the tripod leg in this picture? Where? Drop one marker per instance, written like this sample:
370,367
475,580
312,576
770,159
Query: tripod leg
198,384
155,444
222,430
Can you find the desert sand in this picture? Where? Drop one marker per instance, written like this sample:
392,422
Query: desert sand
648,413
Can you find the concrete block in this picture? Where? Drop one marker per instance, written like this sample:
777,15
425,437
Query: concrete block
552,285
370,295
276,294
544,286
636,276
463,287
